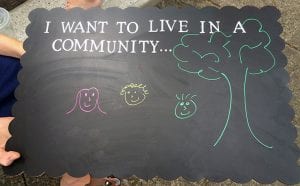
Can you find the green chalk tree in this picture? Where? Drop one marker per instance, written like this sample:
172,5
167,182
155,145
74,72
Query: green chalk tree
229,57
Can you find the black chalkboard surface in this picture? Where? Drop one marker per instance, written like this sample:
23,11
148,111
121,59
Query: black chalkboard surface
169,93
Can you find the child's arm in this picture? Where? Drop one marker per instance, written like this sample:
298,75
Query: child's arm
11,47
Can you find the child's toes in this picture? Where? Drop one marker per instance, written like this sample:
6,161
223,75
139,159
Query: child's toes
7,158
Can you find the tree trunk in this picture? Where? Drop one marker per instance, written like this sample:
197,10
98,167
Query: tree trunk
234,94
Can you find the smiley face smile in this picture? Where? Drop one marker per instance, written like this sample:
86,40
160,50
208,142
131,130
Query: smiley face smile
184,114
134,101
84,104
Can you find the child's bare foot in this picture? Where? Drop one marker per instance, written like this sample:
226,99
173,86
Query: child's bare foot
68,180
108,181
85,4
6,158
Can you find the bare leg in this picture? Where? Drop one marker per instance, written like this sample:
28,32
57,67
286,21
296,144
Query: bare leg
11,47
68,180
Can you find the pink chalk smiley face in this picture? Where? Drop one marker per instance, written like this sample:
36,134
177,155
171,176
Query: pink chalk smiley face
87,100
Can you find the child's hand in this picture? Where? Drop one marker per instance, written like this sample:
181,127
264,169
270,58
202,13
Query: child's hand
6,158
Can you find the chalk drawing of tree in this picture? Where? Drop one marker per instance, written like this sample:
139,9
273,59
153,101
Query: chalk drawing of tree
232,58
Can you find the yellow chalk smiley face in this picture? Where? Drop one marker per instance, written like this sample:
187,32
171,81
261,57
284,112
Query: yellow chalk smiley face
134,94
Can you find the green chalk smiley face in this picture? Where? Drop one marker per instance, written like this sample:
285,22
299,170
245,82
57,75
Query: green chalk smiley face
186,107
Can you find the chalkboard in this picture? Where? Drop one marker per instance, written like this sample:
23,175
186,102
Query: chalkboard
197,93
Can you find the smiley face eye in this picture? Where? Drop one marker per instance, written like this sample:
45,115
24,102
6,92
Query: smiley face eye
187,103
128,92
85,94
182,103
135,92
93,94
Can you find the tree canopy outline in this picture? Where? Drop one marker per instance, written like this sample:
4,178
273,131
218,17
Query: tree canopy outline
218,52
